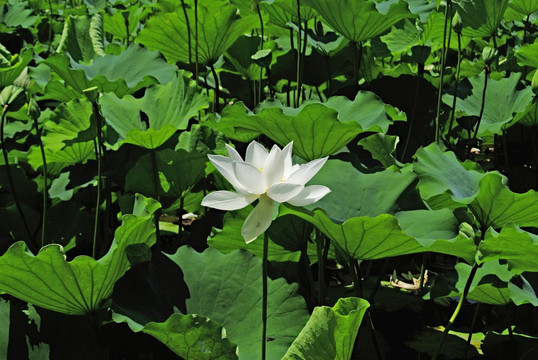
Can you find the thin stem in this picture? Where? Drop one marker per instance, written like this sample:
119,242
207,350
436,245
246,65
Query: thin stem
420,74
45,185
261,48
9,175
469,338
441,74
50,28
374,336
457,310
378,281
481,108
354,269
98,202
453,113
302,56
217,88
264,292
298,93
156,184
196,73
321,267
188,29
98,155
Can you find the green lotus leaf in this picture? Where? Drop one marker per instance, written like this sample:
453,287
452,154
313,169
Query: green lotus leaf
480,17
441,172
528,54
366,109
82,38
227,289
369,238
528,117
403,38
494,284
381,147
526,7
284,12
330,332
314,128
496,206
501,103
74,287
193,337
179,170
218,28
16,64
77,153
517,247
69,123
358,194
15,14
168,108
114,73
117,25
360,20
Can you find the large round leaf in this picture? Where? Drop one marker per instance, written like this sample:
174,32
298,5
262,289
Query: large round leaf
218,28
519,248
330,332
360,20
227,289
369,238
480,17
314,128
168,108
354,193
74,287
502,101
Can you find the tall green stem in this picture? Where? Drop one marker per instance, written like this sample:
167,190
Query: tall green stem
45,185
188,29
321,267
265,263
482,106
196,73
441,73
298,93
261,48
217,88
9,175
452,114
469,338
156,185
420,74
457,310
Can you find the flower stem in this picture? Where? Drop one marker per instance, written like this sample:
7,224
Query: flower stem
44,213
320,239
156,183
9,176
264,292
441,73
482,106
457,310
453,113
298,93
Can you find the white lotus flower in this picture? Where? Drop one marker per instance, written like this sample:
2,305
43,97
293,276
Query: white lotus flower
267,176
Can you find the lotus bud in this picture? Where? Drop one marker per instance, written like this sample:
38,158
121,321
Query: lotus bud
489,54
457,24
33,110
